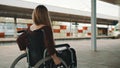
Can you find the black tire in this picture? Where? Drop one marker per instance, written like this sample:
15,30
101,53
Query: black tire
18,59
24,55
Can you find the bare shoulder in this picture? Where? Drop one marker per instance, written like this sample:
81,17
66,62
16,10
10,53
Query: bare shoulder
36,27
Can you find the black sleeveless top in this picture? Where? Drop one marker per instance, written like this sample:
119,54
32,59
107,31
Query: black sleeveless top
37,43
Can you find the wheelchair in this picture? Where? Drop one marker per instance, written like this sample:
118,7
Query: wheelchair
22,61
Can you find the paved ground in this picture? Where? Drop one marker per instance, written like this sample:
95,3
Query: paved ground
107,55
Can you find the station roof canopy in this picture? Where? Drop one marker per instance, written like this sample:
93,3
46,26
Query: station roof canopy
56,13
117,2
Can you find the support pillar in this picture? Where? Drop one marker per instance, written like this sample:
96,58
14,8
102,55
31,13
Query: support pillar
76,28
15,27
119,17
93,25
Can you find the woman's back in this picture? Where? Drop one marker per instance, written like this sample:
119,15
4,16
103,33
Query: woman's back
37,45
40,39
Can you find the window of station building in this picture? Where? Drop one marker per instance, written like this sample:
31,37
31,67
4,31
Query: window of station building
84,30
23,23
1,27
65,29
9,29
7,19
102,30
111,29
2,32
56,29
6,27
21,26
59,29
74,28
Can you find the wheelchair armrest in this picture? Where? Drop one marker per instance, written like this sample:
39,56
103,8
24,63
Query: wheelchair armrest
62,45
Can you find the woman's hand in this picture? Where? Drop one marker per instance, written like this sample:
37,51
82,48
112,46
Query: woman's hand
56,59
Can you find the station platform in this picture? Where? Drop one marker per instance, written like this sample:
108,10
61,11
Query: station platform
106,56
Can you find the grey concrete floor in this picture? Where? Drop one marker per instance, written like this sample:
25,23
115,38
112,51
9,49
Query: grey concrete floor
107,55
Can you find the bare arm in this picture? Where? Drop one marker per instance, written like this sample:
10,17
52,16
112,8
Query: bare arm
55,59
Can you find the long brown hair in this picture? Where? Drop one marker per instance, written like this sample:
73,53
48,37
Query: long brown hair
40,16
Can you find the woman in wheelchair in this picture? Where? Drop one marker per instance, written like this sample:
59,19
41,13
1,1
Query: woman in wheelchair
41,37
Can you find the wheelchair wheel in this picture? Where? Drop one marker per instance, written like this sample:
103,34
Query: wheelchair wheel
20,62
42,61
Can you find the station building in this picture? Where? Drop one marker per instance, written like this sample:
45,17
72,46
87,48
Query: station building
66,23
